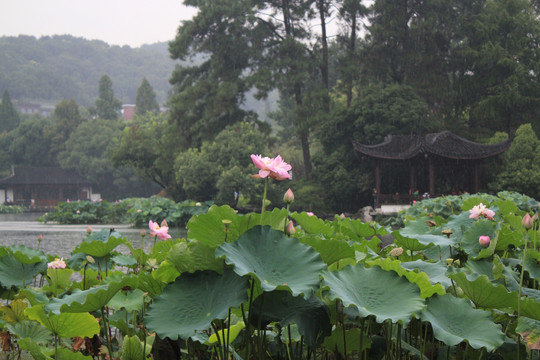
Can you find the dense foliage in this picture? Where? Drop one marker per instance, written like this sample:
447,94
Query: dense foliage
458,280
418,67
135,211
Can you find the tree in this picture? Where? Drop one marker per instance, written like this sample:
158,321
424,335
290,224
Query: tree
207,96
107,106
146,98
85,152
223,167
521,169
499,67
30,143
9,117
149,146
66,119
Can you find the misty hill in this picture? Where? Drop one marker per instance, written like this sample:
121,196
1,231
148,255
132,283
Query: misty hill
58,67
66,67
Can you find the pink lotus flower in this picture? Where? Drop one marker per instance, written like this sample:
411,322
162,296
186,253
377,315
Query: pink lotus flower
276,168
309,213
484,240
481,210
161,232
57,264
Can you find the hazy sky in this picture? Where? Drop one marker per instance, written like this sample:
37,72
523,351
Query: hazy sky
117,22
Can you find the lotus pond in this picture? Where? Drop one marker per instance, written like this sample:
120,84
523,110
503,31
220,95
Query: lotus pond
252,287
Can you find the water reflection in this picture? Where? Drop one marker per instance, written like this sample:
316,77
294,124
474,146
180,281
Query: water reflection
60,240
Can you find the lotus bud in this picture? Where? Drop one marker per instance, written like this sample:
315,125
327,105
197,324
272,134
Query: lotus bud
484,240
396,251
288,197
89,230
527,221
40,238
535,218
290,230
342,216
143,233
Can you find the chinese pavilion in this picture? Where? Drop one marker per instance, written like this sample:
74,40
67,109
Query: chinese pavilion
426,160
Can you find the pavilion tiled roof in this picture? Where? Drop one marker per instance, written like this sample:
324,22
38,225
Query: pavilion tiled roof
28,175
445,144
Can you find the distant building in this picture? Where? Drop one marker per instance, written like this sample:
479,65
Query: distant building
30,108
128,111
43,187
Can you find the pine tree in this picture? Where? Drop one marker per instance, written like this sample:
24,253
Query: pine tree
107,106
9,118
146,98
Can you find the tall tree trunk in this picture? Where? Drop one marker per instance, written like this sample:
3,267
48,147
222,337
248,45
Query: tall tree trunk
352,48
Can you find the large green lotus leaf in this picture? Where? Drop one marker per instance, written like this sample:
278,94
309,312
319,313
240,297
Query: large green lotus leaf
27,255
478,268
14,312
446,315
67,354
311,316
193,301
194,256
408,243
483,293
435,271
30,329
98,248
275,260
312,224
427,288
209,228
472,202
65,325
162,248
15,273
131,300
469,242
124,260
148,284
102,235
355,340
507,237
374,291
331,250
529,307
361,229
166,272
505,207
33,348
531,264
92,299
529,329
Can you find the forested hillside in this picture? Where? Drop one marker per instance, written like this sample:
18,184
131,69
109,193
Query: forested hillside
66,67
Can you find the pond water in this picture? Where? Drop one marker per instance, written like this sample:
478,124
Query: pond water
60,240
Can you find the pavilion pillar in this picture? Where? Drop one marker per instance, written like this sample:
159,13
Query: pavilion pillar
377,182
431,177
412,178
476,180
